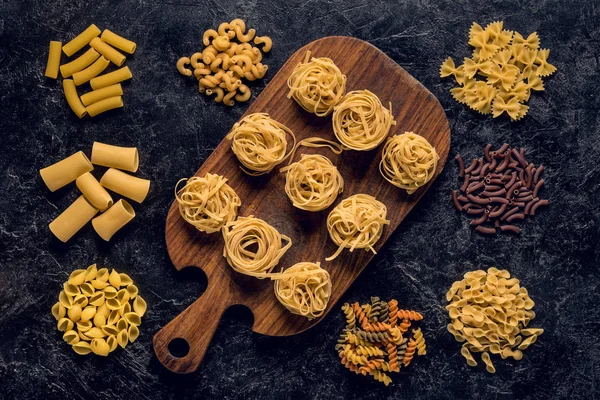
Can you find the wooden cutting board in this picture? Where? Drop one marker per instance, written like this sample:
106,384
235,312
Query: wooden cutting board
414,108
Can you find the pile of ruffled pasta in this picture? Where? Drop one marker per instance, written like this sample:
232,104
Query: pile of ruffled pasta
375,340
227,60
106,93
94,196
509,65
98,311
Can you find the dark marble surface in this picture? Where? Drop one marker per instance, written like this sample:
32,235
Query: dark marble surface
175,129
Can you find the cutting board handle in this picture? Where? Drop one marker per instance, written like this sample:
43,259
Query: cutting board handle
181,344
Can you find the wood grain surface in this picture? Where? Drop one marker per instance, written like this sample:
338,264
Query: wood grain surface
414,108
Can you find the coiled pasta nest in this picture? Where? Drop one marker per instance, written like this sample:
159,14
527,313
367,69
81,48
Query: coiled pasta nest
360,122
304,289
207,202
313,183
408,161
317,86
259,143
356,223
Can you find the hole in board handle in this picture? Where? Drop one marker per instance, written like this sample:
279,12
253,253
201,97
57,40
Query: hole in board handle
179,348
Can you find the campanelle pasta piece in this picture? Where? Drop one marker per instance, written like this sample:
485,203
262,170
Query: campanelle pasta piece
72,219
66,171
53,60
101,94
81,40
113,219
73,99
118,41
78,64
106,155
111,78
108,51
81,77
104,105
94,192
126,185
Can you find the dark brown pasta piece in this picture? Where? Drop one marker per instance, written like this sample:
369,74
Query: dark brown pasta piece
510,228
485,230
461,165
537,205
455,200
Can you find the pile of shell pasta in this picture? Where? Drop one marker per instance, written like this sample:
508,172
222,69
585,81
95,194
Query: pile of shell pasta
98,311
226,61
490,313
373,341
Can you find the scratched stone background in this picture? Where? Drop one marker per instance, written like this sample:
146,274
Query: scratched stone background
175,129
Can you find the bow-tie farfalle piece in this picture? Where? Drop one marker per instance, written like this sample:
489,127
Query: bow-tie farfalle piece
448,68
474,30
545,68
461,93
502,57
484,94
534,82
505,75
481,42
520,91
503,39
512,107
532,42
472,67
527,57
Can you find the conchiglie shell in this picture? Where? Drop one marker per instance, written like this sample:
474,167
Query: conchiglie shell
71,290
58,311
139,306
112,343
91,273
83,336
80,300
88,313
87,289
97,299
82,348
113,317
110,330
125,279
125,308
122,324
114,279
71,337
95,333
74,313
133,318
103,275
110,292
103,309
84,326
134,332
133,291
77,277
65,324
123,338
98,284
65,300
99,319
113,304
123,296
100,347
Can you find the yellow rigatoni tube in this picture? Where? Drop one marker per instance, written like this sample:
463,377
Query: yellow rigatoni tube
108,51
106,155
101,94
90,72
113,219
81,40
111,78
104,105
81,62
126,185
118,41
93,191
66,171
73,99
72,219
53,60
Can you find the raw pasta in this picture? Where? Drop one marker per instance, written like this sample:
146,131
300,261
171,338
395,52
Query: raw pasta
317,85
104,105
207,203
511,67
94,192
53,60
304,289
78,64
360,122
66,171
356,223
259,143
120,75
108,51
118,41
125,158
408,161
313,183
126,185
73,98
97,328
81,40
489,312
101,94
81,77
253,247
113,219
